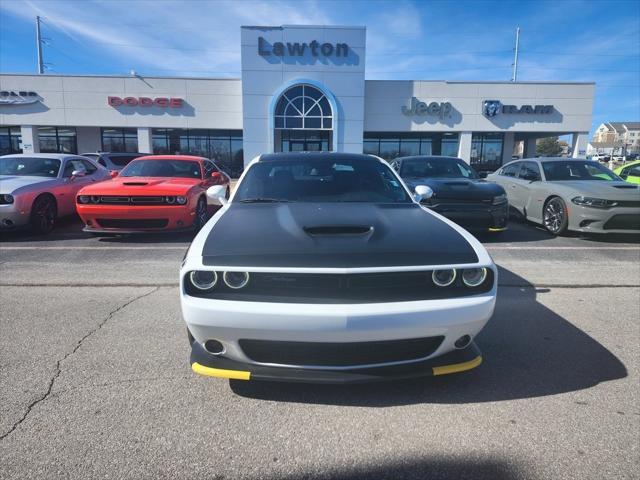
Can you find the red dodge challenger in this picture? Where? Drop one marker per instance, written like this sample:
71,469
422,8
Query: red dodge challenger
152,193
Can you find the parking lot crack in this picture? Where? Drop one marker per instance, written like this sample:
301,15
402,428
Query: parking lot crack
58,369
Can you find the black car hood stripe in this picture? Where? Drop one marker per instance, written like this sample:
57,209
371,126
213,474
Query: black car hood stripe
274,235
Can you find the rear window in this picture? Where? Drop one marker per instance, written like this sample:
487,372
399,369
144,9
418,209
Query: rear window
121,160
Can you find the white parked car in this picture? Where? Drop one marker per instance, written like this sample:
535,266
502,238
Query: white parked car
36,189
324,267
570,194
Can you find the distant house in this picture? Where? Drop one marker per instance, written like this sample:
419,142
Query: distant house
616,138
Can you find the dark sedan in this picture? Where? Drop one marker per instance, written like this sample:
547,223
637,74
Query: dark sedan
458,192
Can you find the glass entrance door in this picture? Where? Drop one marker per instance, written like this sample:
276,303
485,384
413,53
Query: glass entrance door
303,140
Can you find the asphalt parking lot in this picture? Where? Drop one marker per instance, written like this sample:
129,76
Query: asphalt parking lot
95,380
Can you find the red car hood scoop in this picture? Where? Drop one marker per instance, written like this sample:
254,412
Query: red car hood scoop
139,184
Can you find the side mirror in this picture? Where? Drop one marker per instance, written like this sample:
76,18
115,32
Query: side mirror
482,174
217,194
113,173
78,173
423,193
216,175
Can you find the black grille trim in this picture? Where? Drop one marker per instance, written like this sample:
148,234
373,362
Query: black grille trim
133,223
623,222
135,200
338,354
341,288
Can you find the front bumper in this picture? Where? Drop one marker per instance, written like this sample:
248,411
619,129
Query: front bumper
475,216
233,322
132,219
612,220
12,217
203,363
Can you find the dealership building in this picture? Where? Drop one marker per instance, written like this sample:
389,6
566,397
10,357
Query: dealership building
302,88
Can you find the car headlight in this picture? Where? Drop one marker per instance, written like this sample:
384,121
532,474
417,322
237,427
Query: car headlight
6,198
235,280
500,199
203,279
181,200
170,199
443,278
472,277
84,199
593,202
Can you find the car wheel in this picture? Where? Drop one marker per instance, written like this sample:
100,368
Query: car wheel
44,213
201,214
555,216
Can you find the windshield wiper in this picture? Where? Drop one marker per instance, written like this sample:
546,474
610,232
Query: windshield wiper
263,200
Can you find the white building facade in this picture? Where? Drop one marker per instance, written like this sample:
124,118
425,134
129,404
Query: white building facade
301,88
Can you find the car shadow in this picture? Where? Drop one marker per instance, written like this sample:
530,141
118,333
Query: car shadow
528,351
433,467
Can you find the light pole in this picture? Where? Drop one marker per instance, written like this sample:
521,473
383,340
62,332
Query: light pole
39,46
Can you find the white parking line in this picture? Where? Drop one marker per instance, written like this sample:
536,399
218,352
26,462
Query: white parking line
74,248
500,247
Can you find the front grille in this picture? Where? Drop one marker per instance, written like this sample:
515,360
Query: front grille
134,200
623,222
341,288
339,354
132,223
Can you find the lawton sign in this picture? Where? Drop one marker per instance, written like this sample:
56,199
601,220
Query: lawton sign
10,97
491,108
442,109
162,102
297,49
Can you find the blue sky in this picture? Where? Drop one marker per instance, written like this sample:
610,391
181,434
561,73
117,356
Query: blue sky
561,40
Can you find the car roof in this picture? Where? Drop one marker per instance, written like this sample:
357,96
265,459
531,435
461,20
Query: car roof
57,156
115,154
272,157
172,157
426,157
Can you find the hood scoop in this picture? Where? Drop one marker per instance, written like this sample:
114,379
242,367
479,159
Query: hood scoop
626,187
334,230
136,184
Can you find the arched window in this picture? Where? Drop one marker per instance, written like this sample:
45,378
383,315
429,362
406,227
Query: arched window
303,107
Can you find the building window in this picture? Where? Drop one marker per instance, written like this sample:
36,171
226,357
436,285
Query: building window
392,145
10,140
120,140
304,141
222,146
57,140
486,150
303,107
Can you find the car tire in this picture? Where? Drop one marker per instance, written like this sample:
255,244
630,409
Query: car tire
555,217
44,213
201,214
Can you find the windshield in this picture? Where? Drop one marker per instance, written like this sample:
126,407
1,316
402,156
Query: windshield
30,166
321,180
162,168
436,168
577,170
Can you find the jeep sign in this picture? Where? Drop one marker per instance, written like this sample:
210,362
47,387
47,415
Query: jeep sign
435,109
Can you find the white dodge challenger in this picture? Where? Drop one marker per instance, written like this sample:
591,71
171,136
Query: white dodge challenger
324,267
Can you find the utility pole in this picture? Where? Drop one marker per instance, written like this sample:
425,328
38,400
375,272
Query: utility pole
514,77
39,45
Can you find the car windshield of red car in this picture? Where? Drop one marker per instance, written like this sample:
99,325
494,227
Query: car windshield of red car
30,166
162,168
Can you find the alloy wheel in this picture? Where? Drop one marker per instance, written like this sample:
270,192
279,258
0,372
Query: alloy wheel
554,216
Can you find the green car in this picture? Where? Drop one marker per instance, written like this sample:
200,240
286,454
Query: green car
629,172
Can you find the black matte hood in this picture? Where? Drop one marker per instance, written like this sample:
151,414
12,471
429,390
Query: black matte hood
333,235
458,188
